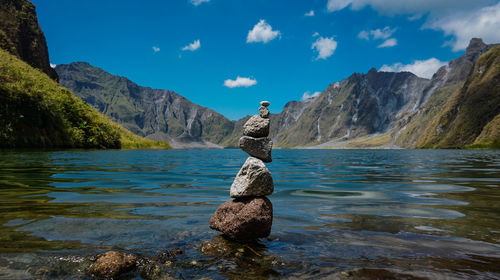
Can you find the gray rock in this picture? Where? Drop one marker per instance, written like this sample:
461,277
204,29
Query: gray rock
253,179
256,126
257,147
264,112
265,103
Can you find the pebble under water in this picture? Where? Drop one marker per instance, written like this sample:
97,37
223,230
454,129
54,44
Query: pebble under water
338,214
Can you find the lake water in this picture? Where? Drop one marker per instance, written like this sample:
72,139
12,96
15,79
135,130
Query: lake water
385,214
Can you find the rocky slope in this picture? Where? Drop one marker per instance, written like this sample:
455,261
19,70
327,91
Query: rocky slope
412,125
471,114
21,35
360,105
152,113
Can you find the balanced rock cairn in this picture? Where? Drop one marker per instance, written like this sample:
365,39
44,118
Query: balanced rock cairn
249,214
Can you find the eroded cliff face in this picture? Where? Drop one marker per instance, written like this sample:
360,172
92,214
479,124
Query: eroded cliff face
152,113
359,105
20,35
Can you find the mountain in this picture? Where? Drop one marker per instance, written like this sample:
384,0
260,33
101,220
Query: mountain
35,112
21,35
360,105
388,110
152,113
372,110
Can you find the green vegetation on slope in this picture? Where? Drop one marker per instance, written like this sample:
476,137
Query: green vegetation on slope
489,137
470,109
35,112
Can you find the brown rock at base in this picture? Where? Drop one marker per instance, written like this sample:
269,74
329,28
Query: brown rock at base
256,126
112,264
244,218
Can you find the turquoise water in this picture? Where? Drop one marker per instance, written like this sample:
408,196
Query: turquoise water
337,213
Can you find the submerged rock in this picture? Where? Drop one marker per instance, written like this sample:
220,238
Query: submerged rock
253,179
217,247
257,147
112,264
244,218
167,255
256,126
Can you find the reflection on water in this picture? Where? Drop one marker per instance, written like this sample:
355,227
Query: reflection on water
338,213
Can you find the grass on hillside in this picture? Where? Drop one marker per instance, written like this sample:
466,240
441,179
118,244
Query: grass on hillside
35,112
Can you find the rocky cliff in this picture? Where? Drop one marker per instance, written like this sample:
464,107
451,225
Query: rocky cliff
360,105
21,35
471,113
152,113
413,127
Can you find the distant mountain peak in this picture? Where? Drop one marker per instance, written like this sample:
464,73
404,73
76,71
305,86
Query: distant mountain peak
372,70
476,45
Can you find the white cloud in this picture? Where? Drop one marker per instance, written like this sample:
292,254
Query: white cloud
382,33
482,23
388,43
377,34
309,14
193,46
240,82
308,95
156,49
325,47
53,65
336,5
198,2
393,7
262,32
315,34
462,19
421,68
364,35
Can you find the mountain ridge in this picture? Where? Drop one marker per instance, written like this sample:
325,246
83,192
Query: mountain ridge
156,114
373,110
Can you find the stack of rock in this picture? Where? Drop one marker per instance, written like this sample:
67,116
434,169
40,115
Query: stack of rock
249,214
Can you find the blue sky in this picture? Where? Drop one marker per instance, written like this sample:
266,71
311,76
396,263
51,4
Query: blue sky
280,50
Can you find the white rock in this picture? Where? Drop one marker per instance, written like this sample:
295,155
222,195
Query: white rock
253,179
